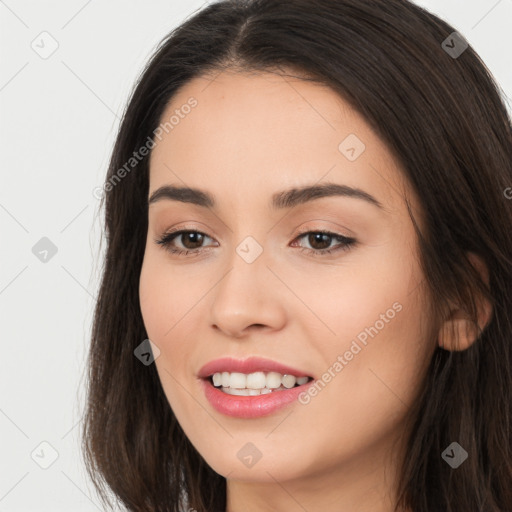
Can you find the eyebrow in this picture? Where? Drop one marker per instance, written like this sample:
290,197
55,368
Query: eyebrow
280,200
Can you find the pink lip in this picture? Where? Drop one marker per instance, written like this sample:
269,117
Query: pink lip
249,365
249,406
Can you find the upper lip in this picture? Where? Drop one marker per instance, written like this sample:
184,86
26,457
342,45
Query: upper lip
249,365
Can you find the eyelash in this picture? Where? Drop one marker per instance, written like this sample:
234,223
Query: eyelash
346,242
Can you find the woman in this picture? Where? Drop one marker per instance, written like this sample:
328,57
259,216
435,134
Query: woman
306,298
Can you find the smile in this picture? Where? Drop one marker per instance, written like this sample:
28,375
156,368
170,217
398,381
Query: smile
251,387
254,384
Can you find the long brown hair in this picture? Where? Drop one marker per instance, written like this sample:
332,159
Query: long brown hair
443,117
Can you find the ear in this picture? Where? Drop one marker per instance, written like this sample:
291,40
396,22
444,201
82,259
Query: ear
458,332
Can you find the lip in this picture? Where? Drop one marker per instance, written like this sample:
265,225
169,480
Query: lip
249,365
249,406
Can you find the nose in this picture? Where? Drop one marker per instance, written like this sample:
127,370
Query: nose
247,298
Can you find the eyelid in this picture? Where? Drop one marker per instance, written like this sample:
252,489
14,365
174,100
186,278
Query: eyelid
185,227
178,231
341,231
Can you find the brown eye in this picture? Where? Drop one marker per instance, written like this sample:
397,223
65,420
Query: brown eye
191,239
319,241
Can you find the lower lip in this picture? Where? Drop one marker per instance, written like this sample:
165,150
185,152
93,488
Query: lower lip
251,406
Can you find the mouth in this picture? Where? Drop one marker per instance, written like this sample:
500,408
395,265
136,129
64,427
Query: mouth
256,383
253,387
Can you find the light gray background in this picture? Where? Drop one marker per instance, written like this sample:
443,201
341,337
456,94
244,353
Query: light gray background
59,117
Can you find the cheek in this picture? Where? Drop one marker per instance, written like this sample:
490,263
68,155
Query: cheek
385,349
166,296
165,299
170,302
374,316
369,392
340,301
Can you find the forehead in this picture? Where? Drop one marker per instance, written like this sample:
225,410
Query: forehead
265,132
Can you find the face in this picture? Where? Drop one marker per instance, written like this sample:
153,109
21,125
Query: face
256,279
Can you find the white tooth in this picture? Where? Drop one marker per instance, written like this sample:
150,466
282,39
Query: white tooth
253,392
302,380
256,380
289,381
265,391
225,379
241,392
217,379
273,380
237,380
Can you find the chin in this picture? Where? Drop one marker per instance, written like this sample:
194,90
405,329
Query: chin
236,463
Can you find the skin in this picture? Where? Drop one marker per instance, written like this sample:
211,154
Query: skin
250,136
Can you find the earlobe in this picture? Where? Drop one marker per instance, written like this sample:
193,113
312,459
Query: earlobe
458,332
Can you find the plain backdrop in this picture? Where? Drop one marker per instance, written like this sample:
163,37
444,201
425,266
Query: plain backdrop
67,68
